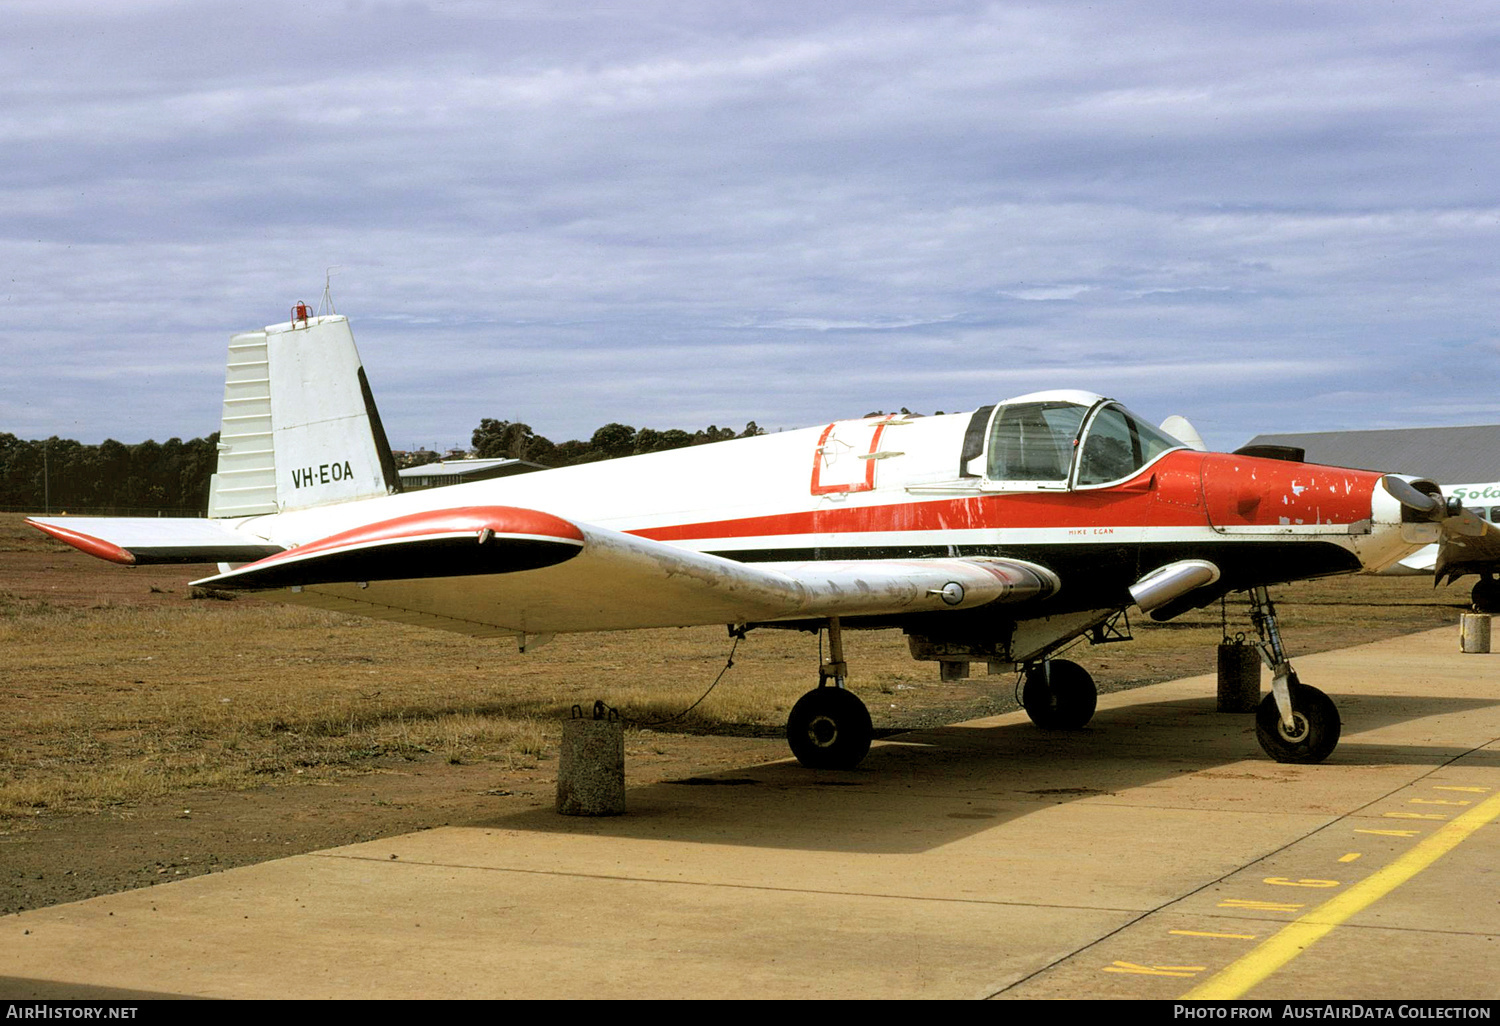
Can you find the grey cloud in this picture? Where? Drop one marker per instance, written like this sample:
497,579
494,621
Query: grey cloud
782,214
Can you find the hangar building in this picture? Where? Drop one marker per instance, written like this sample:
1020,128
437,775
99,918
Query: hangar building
1444,455
452,472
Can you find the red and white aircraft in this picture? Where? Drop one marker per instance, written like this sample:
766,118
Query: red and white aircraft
995,536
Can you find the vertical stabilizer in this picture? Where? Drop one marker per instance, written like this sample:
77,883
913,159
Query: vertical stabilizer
300,426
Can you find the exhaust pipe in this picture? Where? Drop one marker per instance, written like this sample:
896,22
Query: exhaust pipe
1173,581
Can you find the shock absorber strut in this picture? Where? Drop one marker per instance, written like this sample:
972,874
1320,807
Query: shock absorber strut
835,668
1272,653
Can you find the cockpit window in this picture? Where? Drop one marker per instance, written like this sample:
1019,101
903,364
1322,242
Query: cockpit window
1119,443
1034,441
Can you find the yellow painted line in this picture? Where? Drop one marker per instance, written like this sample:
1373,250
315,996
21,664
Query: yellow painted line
1260,906
1281,881
1155,970
1453,787
1414,815
1236,979
1391,833
1349,857
1437,801
1224,936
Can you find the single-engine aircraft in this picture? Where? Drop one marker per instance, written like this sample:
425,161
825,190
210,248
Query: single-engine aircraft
996,536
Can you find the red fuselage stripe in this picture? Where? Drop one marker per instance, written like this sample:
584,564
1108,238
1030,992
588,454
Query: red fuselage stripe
1183,489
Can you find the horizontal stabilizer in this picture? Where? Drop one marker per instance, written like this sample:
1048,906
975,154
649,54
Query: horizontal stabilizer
488,570
142,540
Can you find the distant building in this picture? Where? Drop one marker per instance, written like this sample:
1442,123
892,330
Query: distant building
462,471
1444,455
414,457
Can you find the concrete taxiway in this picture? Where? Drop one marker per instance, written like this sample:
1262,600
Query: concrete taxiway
1156,854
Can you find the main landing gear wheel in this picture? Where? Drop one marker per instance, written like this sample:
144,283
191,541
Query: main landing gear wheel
1486,595
1314,733
1058,694
829,728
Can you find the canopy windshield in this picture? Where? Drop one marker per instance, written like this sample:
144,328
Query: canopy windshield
1036,442
1118,444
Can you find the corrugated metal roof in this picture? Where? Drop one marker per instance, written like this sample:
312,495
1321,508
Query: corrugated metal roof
452,472
1445,455
455,468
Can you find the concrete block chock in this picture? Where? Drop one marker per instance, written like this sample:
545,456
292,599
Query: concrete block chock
591,764
1474,632
1239,677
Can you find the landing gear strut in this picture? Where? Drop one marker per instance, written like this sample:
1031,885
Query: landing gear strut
829,727
1295,722
1058,694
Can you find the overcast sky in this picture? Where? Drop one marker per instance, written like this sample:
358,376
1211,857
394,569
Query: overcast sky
1263,216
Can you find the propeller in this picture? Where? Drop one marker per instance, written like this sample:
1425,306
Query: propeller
1414,499
1448,514
1467,544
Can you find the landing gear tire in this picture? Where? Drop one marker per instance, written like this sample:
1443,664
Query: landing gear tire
1059,695
829,728
1486,596
1314,734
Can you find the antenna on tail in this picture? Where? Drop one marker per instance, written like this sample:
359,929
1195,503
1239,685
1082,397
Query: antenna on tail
326,305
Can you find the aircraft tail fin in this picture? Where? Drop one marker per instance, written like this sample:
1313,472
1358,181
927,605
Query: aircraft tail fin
300,427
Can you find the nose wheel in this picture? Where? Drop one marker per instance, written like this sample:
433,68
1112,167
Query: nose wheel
1310,737
1294,723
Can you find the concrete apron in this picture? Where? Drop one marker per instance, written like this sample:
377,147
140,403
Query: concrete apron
1148,855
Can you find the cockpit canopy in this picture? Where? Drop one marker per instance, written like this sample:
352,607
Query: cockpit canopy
1067,439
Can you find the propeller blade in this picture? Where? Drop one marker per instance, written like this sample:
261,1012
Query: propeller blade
1413,499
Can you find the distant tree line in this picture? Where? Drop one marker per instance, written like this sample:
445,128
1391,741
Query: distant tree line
173,476
63,474
514,440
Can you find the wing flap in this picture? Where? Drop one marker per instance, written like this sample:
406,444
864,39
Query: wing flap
498,569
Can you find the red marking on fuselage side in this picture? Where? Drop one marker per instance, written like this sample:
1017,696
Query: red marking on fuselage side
87,543
1134,502
503,520
867,485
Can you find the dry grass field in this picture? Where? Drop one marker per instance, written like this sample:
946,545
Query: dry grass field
147,733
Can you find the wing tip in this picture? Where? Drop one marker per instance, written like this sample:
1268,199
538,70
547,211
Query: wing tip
96,547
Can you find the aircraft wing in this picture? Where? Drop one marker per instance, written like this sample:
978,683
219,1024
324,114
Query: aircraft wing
501,570
140,540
